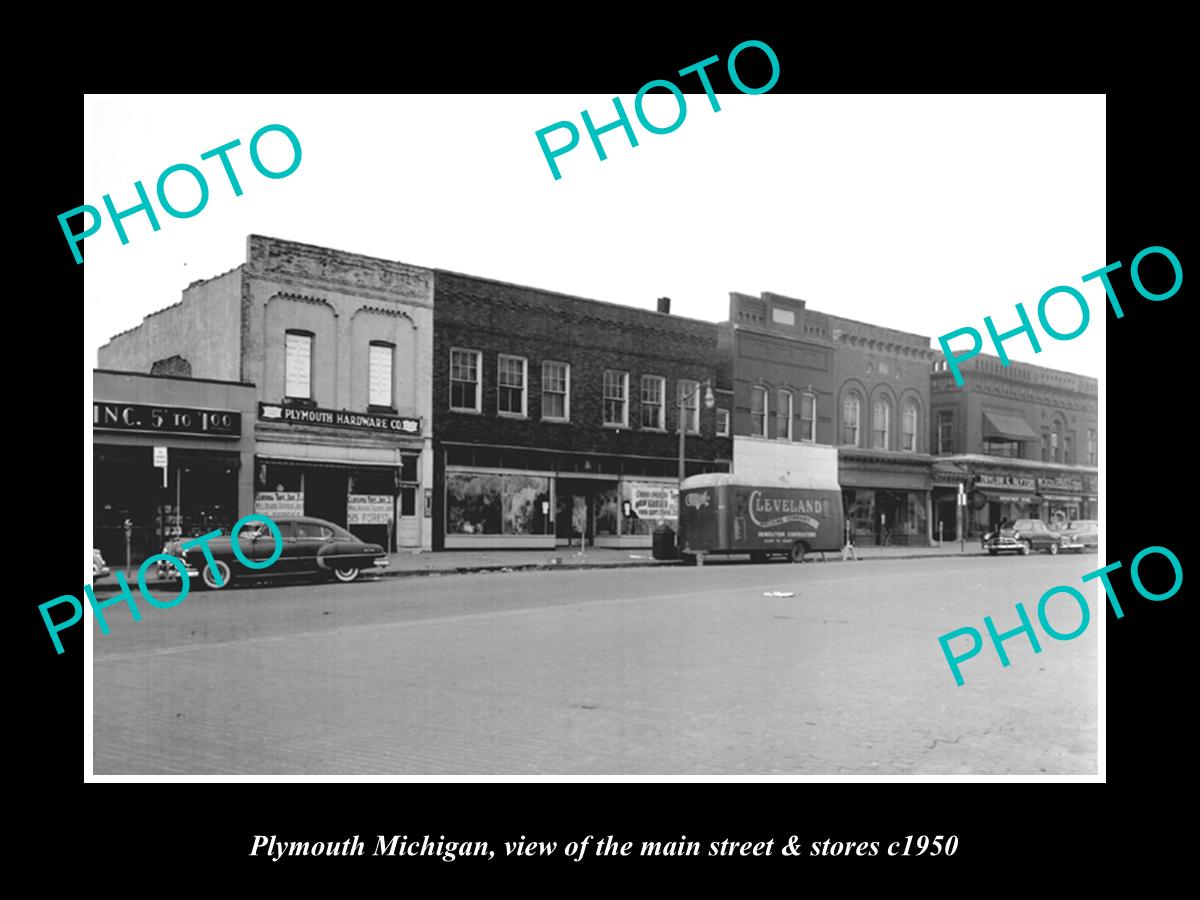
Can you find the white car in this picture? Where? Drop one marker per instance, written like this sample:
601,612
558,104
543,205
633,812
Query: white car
99,566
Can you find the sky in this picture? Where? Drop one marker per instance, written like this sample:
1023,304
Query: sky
924,214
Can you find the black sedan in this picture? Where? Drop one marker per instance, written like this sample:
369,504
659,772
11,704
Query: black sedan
310,547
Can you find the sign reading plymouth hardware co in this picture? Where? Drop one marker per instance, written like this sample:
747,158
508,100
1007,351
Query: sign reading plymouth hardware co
338,418
165,419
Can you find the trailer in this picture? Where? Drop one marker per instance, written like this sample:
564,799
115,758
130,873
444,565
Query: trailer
730,513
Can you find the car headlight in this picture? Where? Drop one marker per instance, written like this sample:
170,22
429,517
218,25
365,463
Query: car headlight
1016,535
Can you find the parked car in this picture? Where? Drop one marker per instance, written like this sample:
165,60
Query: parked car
1026,535
1086,533
310,547
99,566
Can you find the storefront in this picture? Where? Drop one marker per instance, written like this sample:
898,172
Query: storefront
171,457
562,500
886,496
1012,489
365,472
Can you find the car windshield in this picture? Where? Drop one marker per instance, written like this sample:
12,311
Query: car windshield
1025,524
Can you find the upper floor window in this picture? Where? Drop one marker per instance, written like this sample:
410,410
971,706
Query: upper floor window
722,423
464,380
758,411
556,391
945,432
881,424
298,364
908,430
1091,446
783,416
689,396
851,413
1055,443
616,397
379,376
510,385
654,390
808,417
999,446
1068,455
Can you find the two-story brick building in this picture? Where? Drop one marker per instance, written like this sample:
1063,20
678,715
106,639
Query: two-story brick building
1024,438
882,410
555,417
340,347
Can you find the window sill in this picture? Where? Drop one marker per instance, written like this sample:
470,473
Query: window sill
615,425
511,415
469,412
299,401
551,420
382,410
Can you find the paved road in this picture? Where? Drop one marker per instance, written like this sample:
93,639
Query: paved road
664,671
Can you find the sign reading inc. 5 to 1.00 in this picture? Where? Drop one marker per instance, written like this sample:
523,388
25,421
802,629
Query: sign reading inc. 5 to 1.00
165,419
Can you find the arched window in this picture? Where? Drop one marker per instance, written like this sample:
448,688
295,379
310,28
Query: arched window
783,416
908,434
851,412
881,424
758,411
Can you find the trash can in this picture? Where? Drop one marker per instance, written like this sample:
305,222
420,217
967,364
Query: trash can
664,542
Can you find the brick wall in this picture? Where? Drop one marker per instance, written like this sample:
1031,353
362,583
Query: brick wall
494,318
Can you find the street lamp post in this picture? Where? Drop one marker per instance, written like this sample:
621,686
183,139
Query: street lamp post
709,402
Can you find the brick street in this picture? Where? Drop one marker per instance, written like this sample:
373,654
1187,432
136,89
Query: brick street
656,671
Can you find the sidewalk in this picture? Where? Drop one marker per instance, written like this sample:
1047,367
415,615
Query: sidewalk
451,562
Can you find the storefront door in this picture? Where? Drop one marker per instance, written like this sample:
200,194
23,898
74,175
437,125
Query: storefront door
325,492
573,524
408,533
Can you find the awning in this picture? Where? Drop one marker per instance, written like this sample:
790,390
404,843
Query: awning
1011,428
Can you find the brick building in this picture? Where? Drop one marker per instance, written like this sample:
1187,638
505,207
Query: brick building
339,346
1023,437
882,414
555,417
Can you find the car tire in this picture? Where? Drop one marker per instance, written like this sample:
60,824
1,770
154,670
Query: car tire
1054,548
797,552
1026,549
346,574
993,552
223,570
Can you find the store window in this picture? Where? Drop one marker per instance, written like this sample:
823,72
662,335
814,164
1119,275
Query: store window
758,411
654,389
464,380
510,385
298,346
908,433
945,432
689,396
379,378
616,398
881,424
783,416
556,391
478,503
808,417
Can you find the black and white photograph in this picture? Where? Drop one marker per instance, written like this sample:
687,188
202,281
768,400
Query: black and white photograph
699,433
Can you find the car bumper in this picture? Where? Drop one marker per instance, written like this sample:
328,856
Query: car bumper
382,562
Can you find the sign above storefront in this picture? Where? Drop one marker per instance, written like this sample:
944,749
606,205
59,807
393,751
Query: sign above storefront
338,418
111,416
1012,482
1071,484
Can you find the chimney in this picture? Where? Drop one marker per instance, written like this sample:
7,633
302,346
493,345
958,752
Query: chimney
664,305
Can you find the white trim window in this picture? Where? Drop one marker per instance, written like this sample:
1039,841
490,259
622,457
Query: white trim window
945,432
908,429
556,391
758,410
297,367
808,417
379,374
851,414
464,379
722,423
783,415
689,393
616,398
881,424
511,372
654,393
